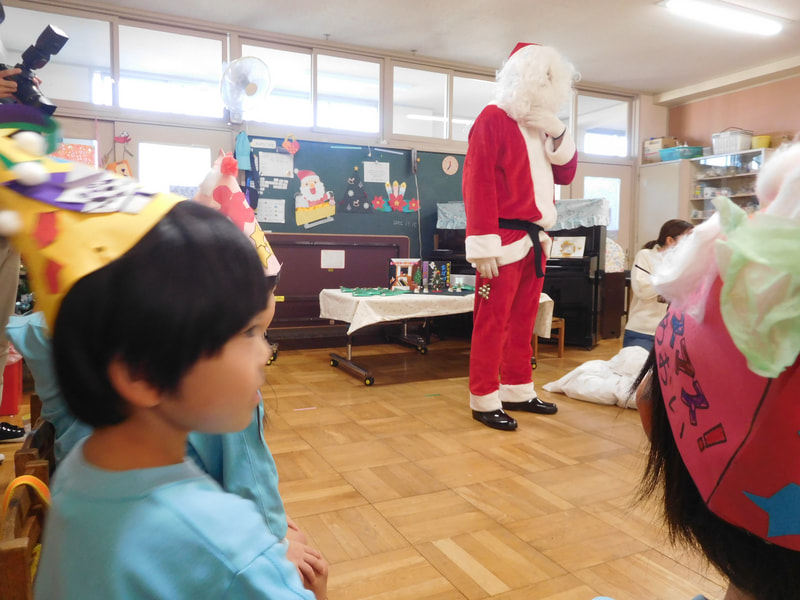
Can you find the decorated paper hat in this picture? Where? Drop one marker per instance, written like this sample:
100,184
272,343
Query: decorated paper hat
221,191
727,361
71,219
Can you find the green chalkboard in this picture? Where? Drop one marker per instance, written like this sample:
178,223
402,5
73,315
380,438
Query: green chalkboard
313,187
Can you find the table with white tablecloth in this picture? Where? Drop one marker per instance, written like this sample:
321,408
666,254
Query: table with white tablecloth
361,311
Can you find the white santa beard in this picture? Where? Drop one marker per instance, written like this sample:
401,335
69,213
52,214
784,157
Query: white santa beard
315,192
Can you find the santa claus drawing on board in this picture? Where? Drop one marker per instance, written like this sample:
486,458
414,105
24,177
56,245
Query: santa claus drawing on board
313,205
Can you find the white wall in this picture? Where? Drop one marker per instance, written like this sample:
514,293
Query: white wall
653,121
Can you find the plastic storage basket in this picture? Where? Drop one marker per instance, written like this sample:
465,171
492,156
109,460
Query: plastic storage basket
680,152
732,139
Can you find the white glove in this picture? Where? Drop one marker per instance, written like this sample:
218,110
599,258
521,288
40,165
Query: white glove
487,267
547,122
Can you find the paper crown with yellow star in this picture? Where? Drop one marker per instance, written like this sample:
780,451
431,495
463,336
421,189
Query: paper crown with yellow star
67,219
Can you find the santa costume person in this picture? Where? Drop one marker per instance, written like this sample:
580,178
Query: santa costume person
518,150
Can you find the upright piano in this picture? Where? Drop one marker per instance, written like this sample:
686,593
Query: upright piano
451,231
575,269
574,280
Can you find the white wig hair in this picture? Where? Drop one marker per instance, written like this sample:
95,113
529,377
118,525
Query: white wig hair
534,80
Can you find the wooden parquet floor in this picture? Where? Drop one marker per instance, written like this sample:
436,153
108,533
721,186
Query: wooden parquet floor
409,498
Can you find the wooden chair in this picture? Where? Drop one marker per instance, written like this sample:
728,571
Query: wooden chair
39,444
557,330
22,524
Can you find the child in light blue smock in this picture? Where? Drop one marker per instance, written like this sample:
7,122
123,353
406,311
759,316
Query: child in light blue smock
165,341
240,461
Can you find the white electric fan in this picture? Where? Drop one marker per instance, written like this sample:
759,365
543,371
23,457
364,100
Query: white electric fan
244,85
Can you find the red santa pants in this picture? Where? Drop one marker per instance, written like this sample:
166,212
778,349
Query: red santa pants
501,335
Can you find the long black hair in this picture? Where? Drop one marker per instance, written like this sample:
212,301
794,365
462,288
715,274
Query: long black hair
189,285
753,565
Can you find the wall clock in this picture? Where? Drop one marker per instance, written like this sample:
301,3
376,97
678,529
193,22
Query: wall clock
450,165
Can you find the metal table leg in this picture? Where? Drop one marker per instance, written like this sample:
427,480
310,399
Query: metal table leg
348,365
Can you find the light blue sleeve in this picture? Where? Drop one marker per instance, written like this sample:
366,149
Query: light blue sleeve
243,465
164,532
268,577
31,338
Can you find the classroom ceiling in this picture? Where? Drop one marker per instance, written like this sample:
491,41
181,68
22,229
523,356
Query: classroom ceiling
634,45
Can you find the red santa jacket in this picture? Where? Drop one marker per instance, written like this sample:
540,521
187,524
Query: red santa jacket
509,173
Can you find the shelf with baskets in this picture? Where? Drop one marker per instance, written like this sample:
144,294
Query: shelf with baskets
733,175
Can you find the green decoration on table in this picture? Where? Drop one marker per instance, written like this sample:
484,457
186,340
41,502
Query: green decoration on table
362,292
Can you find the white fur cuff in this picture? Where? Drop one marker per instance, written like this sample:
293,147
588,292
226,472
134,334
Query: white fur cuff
487,403
517,393
482,246
547,243
565,151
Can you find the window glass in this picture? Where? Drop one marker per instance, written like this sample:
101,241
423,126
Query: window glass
608,188
420,103
71,72
602,126
289,99
348,94
157,167
469,97
169,72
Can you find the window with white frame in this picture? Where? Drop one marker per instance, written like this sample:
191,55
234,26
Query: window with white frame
602,127
169,72
419,102
73,72
172,168
610,189
348,94
169,69
289,99
470,96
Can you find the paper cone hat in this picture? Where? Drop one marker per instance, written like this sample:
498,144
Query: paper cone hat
73,219
221,191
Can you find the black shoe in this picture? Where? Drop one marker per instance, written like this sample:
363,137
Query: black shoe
495,419
533,405
11,433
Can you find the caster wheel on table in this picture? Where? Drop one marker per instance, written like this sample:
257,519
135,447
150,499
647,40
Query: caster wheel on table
422,349
334,363
369,380
533,363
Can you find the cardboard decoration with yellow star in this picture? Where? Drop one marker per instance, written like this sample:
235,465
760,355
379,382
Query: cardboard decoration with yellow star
64,218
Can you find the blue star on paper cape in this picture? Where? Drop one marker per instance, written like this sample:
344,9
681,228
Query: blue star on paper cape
784,518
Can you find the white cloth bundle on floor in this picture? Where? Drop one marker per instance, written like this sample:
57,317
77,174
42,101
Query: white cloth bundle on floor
603,381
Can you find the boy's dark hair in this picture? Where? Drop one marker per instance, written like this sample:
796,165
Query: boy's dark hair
188,286
767,571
